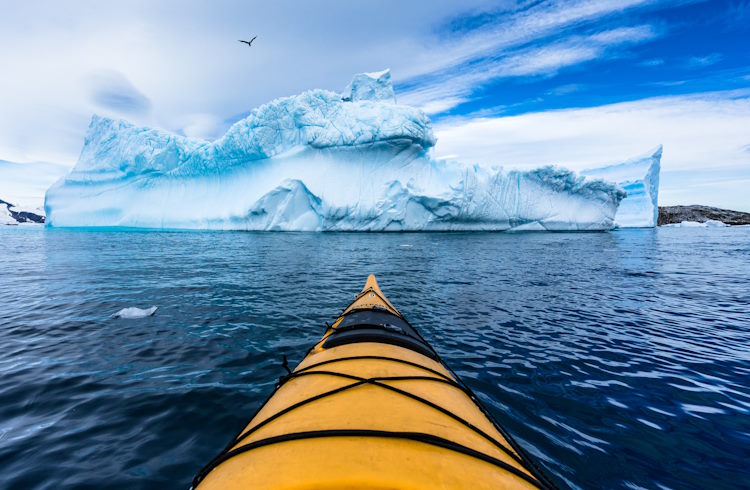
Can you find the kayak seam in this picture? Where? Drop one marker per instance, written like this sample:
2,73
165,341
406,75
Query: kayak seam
378,335
377,382
360,381
413,436
244,434
381,358
376,293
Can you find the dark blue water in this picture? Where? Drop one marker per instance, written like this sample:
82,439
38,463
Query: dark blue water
620,360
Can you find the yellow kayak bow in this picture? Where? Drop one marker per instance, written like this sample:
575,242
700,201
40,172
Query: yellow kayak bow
371,406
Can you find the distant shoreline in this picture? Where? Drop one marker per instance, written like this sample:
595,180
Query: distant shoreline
701,214
667,215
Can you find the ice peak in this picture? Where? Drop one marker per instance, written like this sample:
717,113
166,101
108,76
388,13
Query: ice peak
375,86
97,123
377,74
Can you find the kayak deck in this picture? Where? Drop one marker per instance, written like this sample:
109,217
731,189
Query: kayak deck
371,406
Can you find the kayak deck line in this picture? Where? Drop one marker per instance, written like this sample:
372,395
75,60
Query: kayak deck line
383,358
372,405
415,436
377,382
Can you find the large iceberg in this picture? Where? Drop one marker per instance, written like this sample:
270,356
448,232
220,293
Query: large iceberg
316,161
640,179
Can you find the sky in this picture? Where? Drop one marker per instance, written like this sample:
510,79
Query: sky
577,83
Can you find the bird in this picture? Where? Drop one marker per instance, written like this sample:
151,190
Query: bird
249,43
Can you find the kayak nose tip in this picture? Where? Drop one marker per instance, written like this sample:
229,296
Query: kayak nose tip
371,283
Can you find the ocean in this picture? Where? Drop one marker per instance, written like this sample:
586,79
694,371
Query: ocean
618,360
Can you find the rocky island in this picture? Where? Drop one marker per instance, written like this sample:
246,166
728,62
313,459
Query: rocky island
10,215
701,214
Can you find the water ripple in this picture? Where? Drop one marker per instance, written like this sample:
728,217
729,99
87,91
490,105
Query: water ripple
620,360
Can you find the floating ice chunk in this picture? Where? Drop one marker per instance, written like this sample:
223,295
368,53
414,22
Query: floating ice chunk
133,312
640,179
711,223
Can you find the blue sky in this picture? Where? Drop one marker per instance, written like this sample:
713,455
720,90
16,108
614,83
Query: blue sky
647,49
521,84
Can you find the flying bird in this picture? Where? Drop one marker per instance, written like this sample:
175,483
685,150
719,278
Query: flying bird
249,43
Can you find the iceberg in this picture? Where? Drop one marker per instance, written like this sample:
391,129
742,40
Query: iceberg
640,179
317,161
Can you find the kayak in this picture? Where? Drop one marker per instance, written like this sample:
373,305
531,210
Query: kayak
371,406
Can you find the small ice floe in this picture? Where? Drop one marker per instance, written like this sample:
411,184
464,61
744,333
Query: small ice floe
712,223
134,312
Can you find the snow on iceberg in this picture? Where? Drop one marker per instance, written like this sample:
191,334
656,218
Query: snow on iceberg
640,179
315,161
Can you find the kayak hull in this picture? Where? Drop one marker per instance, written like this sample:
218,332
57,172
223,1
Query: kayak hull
371,406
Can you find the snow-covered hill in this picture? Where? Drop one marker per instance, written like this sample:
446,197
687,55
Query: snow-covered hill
11,215
24,184
22,188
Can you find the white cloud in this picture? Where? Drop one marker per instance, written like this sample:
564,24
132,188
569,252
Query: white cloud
519,28
545,60
622,35
111,90
703,61
440,104
566,89
182,58
571,51
652,62
178,65
447,90
699,132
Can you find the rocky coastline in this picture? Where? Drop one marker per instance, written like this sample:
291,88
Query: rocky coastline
11,216
701,214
